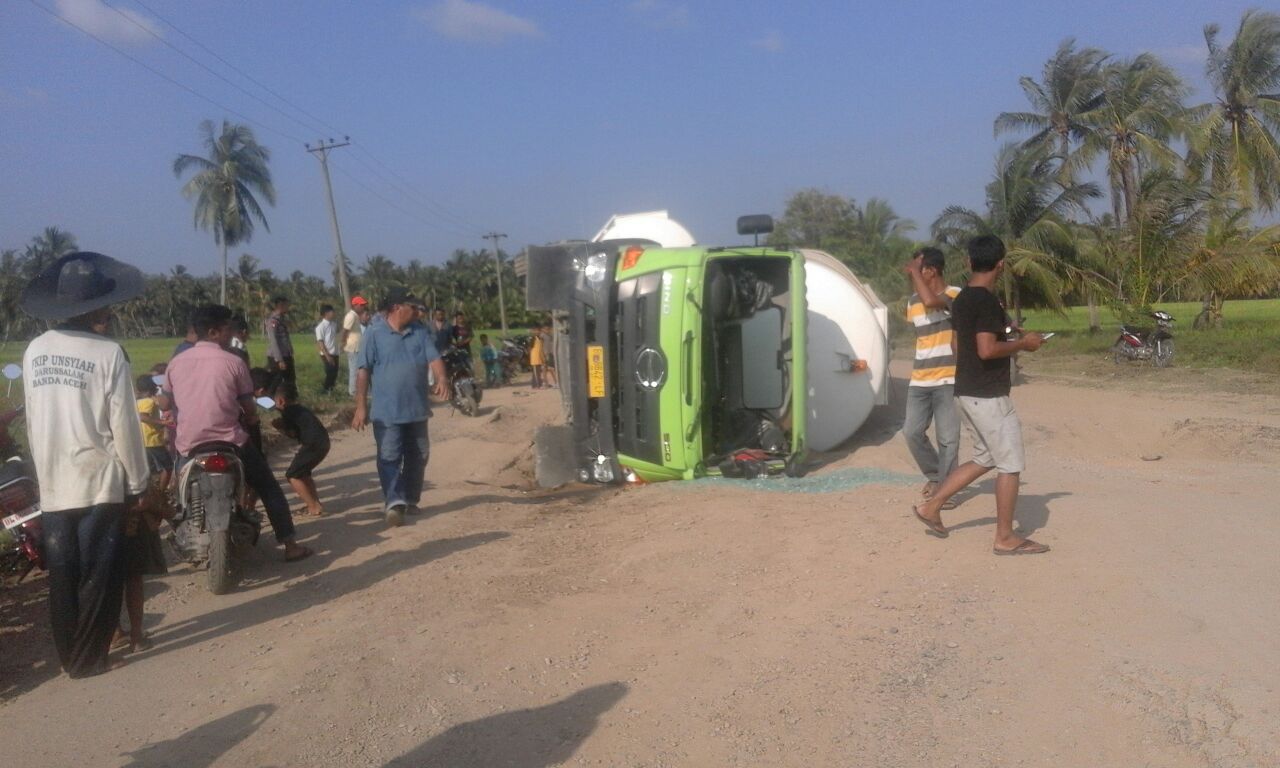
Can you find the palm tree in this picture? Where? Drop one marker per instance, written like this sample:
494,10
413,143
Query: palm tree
1141,111
224,186
1063,103
1236,139
1235,261
1028,206
45,248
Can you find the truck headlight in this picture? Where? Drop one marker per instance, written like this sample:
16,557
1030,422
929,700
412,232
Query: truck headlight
602,470
597,268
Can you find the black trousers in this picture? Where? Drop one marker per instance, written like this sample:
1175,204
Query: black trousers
289,374
258,475
330,372
84,549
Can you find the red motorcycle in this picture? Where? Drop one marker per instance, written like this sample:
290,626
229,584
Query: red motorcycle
19,506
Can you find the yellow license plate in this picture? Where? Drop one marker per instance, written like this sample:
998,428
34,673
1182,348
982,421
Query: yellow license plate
595,370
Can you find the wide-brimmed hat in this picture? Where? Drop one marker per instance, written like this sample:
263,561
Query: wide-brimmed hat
78,283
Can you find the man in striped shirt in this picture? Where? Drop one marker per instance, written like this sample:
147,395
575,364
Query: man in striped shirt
930,395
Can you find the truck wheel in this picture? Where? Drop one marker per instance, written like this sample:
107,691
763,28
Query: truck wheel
221,579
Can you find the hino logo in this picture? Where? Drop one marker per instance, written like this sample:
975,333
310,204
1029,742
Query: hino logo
651,368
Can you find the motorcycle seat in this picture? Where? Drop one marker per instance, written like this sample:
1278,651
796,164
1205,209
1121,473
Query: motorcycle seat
215,447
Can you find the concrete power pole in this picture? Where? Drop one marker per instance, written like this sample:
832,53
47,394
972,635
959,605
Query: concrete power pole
321,151
497,258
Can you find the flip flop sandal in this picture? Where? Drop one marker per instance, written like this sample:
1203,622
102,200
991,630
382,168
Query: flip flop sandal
1027,547
303,555
935,528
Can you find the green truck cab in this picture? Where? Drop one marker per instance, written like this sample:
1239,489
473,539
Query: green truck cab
672,358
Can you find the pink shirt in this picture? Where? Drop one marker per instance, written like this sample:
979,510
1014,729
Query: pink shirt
207,384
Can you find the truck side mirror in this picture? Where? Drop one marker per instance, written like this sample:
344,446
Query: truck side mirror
755,224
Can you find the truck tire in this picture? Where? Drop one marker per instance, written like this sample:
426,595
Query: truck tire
221,578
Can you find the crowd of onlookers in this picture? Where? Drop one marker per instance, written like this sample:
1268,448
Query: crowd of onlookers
107,446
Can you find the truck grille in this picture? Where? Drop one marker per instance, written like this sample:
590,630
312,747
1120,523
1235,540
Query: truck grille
637,323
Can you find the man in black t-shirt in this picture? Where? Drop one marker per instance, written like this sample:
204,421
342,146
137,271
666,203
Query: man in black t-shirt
983,350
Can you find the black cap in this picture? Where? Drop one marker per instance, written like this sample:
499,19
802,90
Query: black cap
402,296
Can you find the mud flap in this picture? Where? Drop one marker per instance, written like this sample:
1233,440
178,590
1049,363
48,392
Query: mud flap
554,456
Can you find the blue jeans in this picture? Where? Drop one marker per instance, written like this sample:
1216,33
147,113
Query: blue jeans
403,450
84,550
934,405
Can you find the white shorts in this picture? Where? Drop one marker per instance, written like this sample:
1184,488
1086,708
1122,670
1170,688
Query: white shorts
995,432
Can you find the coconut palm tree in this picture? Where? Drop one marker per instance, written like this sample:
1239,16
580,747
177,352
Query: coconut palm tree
1236,139
1140,112
1062,104
225,184
1028,206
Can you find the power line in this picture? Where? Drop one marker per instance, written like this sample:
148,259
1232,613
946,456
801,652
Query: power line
236,69
163,76
402,187
391,203
206,67
427,201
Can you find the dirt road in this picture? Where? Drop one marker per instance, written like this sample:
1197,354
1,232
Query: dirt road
721,624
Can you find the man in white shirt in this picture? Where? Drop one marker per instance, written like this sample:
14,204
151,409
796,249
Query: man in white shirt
352,331
327,343
86,447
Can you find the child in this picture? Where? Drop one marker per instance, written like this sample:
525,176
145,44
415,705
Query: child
154,426
299,423
489,356
143,552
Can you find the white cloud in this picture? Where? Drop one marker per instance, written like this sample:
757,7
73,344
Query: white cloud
475,22
661,14
101,20
772,42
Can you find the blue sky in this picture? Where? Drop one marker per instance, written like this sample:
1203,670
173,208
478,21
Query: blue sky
536,119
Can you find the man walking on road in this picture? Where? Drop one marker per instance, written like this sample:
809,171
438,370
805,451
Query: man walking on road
327,344
212,391
982,392
279,343
89,456
396,355
352,329
931,395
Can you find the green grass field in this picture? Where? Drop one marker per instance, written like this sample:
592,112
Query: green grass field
144,353
1249,339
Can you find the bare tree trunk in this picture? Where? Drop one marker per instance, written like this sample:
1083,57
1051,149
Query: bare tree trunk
1130,191
1095,324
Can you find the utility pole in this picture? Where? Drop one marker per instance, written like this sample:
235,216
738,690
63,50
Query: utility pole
497,258
321,151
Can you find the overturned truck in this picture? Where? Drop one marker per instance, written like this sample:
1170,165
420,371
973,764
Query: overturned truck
680,361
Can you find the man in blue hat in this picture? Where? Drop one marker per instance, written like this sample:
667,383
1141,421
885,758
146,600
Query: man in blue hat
86,445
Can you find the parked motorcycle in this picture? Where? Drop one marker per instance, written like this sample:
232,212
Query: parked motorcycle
464,390
211,523
513,358
1154,344
19,506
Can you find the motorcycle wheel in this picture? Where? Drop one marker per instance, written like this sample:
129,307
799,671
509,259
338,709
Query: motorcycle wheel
468,405
1118,352
221,579
1163,354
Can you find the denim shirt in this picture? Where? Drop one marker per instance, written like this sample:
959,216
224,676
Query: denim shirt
397,364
